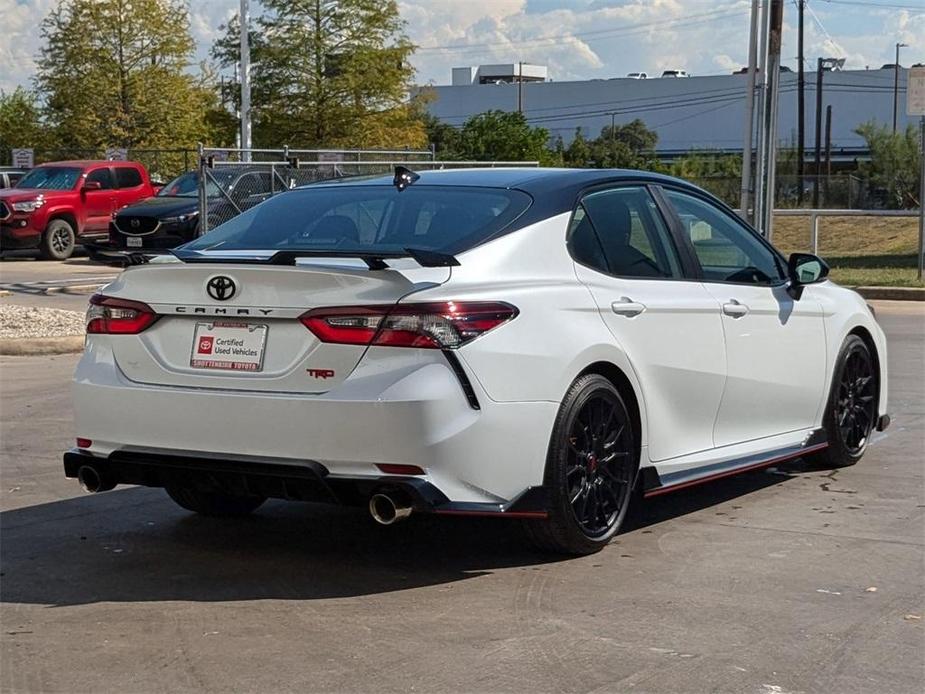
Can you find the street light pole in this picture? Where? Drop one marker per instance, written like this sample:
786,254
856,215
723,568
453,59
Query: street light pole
820,62
244,17
613,140
896,84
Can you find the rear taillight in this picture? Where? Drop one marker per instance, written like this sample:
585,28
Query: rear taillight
438,325
108,315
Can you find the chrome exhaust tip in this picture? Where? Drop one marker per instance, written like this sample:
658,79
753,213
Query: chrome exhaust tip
386,509
94,480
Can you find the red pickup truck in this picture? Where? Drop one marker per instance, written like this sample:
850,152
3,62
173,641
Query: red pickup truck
55,206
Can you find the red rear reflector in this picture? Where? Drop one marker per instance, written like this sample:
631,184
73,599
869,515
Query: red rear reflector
390,469
108,315
84,443
433,325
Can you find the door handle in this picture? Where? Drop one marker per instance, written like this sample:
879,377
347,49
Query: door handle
627,307
734,309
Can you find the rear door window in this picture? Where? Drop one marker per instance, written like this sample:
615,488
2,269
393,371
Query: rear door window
632,238
128,177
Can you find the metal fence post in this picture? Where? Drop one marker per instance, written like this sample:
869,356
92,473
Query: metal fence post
921,257
203,200
814,221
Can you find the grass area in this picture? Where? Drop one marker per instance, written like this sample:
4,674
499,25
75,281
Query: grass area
868,251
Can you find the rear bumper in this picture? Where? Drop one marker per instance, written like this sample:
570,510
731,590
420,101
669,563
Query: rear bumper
306,481
395,408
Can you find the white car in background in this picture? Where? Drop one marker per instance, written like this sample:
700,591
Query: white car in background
675,73
524,343
637,76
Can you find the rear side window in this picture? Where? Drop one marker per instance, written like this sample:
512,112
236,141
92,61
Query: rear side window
632,239
128,177
101,176
370,218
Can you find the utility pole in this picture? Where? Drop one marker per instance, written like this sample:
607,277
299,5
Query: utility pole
762,75
801,110
245,81
828,150
896,84
818,151
745,191
769,118
520,87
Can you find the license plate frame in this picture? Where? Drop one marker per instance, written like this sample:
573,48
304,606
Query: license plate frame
252,335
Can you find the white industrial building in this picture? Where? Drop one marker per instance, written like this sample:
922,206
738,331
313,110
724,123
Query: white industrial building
687,113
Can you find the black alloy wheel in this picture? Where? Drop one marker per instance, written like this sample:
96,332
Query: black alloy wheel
590,469
855,409
851,413
599,474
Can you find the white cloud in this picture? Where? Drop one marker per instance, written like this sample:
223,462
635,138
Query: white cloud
603,38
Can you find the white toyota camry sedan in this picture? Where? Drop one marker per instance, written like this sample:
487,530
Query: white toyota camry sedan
538,344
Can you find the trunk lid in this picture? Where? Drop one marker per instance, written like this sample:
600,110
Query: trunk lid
259,313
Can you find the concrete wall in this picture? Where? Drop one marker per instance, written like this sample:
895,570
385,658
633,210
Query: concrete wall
697,112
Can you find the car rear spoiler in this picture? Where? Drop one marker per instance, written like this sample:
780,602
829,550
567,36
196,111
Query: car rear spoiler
373,260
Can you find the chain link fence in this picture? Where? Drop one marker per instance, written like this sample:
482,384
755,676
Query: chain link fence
162,164
229,184
838,191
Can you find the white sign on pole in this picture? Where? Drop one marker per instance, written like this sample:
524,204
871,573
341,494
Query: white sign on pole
915,92
117,154
24,158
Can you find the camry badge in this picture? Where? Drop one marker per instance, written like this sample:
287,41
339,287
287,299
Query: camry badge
221,288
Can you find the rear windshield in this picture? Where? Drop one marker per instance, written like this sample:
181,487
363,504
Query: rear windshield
370,218
50,178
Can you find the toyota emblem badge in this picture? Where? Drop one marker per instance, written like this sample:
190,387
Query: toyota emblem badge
221,288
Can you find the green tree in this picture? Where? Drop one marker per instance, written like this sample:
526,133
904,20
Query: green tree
893,170
445,139
20,121
328,73
115,73
503,136
578,153
627,146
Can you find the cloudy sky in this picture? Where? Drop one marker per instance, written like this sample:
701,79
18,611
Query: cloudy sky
577,39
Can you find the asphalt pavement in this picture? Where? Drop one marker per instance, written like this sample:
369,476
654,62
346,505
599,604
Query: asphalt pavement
786,580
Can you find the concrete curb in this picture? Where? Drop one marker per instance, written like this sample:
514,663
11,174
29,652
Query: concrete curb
29,346
892,293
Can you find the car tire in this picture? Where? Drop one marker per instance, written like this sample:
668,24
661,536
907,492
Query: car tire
214,503
58,240
590,470
851,412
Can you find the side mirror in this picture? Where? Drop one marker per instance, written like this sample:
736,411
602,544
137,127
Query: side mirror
803,269
91,185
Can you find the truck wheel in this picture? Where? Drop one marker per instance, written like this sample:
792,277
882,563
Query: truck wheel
57,241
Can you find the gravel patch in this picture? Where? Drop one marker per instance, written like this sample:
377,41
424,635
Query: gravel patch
32,321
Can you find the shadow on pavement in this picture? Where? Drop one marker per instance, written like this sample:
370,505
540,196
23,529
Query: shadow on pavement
134,545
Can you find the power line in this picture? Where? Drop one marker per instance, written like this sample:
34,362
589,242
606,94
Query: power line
874,5
688,20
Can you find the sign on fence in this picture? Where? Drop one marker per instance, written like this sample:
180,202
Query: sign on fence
24,158
117,154
915,92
